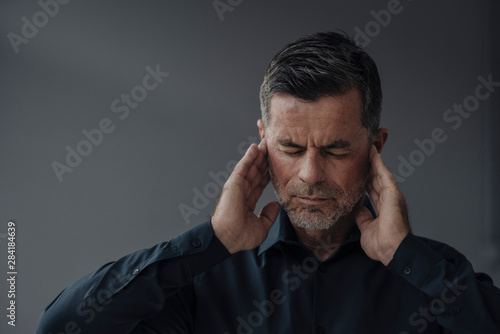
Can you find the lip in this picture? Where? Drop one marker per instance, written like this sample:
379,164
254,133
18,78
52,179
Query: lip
313,200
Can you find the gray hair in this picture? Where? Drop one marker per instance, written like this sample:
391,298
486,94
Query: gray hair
324,64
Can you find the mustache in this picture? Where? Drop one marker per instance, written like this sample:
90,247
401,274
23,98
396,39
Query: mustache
323,190
319,190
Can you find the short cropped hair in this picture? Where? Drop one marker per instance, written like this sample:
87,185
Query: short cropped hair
324,64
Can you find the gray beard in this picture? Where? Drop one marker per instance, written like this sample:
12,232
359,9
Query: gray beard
311,217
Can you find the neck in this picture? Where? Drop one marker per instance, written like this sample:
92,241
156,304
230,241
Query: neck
323,243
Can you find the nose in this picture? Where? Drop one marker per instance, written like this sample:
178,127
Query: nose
311,169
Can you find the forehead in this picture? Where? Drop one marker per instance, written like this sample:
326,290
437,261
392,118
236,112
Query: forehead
327,117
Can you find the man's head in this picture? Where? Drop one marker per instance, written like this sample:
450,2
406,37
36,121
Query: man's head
324,64
321,101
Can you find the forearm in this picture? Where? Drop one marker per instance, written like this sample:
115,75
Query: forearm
121,294
458,299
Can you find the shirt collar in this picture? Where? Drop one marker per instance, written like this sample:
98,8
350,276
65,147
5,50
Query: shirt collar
282,229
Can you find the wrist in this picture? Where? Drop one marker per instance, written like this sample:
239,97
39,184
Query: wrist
226,240
388,254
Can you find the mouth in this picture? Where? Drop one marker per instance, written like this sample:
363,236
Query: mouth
313,200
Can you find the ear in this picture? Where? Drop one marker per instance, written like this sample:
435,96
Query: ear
379,138
262,129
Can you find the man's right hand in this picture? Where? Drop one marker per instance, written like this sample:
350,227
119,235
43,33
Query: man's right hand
234,221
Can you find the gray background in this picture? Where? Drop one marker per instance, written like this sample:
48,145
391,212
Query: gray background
126,194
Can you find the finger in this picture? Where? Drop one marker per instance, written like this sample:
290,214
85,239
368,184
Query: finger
261,161
381,178
259,189
247,172
258,171
269,213
261,164
246,162
374,196
370,189
263,146
254,175
264,178
363,217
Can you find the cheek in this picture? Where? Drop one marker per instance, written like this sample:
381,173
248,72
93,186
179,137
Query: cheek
348,172
283,167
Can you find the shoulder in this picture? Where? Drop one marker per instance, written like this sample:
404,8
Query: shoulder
442,248
452,255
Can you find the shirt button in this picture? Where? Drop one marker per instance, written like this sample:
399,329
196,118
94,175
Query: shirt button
320,330
196,243
136,271
407,270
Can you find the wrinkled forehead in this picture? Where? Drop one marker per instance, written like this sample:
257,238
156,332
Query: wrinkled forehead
325,117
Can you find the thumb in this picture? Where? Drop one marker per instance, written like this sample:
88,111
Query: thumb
269,213
363,217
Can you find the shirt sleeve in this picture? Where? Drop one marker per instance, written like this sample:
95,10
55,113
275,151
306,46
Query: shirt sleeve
121,294
460,300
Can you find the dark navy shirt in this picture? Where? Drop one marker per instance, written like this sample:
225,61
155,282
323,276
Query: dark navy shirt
192,284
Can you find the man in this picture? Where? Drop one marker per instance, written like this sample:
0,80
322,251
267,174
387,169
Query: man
320,260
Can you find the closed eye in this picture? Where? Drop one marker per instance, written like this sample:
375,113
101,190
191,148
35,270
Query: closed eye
325,153
292,149
336,156
294,153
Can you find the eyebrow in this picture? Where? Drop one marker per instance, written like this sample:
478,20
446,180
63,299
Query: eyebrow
336,144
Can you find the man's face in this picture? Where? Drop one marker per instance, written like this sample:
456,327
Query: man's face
318,157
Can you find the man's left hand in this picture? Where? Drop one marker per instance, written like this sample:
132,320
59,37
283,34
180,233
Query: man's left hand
381,236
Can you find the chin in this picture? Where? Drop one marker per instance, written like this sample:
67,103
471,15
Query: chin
312,218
